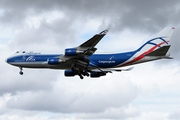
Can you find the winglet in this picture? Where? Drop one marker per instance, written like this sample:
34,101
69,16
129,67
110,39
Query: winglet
104,32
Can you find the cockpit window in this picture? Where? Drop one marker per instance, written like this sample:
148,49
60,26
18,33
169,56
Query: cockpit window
17,52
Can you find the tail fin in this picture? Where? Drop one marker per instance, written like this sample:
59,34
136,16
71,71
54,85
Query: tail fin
154,47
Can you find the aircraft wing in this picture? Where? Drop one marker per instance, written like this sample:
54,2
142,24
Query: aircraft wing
88,47
94,40
85,49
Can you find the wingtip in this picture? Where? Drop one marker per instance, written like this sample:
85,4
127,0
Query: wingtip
104,31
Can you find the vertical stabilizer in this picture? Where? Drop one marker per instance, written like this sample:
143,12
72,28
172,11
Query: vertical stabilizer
159,40
166,33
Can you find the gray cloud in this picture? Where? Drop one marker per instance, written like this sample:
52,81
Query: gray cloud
174,116
147,15
124,112
69,101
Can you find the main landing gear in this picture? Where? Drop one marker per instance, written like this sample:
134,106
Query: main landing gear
80,72
83,73
80,75
21,72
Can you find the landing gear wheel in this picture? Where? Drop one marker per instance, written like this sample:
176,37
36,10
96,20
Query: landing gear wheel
21,73
87,75
81,77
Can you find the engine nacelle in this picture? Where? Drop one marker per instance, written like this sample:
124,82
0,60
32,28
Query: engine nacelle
69,73
98,74
53,61
72,51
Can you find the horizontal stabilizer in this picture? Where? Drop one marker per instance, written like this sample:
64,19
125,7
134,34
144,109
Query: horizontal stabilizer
159,52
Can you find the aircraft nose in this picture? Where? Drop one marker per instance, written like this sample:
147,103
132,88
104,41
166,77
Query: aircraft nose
7,60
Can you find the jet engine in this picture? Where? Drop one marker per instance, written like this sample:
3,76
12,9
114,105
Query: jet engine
69,73
72,51
98,74
53,61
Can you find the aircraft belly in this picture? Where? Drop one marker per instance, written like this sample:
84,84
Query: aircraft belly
29,64
60,66
40,65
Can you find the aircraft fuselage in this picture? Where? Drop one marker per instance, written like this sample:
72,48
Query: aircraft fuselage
38,60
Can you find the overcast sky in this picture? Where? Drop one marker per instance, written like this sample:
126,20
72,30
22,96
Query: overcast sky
151,91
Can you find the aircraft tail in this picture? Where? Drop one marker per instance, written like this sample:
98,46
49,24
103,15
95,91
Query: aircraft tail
158,45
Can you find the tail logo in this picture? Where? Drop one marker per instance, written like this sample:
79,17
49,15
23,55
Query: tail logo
152,43
150,50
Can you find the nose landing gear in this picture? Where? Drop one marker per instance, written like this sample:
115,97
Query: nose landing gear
21,72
